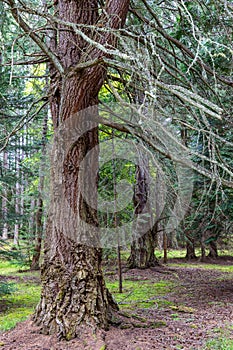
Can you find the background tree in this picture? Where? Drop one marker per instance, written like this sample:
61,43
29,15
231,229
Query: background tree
143,243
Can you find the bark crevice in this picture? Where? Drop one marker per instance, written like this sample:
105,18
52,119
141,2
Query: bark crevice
74,293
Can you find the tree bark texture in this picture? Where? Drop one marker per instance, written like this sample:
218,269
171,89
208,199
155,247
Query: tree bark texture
190,248
74,294
190,251
142,247
213,250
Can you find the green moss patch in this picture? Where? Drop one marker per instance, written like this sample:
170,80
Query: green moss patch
219,344
142,294
19,305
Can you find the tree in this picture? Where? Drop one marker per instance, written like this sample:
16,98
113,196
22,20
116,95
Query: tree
73,288
143,244
35,264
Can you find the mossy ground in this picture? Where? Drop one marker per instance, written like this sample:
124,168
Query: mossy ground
219,344
140,292
18,305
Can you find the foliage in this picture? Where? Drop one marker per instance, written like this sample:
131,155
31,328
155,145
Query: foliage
6,288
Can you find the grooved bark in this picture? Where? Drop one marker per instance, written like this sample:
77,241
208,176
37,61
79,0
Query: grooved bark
74,295
142,247
73,291
190,251
190,248
142,253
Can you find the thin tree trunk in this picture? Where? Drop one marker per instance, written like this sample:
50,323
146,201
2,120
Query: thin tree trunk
159,205
190,242
115,217
22,178
31,224
190,251
35,264
4,201
164,247
203,252
17,199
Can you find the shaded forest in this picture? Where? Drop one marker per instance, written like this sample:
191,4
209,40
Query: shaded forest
116,172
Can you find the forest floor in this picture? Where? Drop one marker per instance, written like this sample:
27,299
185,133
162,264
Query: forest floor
183,306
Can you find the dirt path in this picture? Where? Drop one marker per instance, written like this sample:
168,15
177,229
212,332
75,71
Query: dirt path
199,307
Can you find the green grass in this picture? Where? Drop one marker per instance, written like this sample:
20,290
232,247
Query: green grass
171,253
8,268
181,253
205,266
219,344
142,294
11,268
20,304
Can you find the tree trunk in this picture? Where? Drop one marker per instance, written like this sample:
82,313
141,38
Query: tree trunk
203,252
74,295
213,253
22,178
35,264
190,242
17,198
31,224
73,290
143,245
190,249
142,253
4,200
164,247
